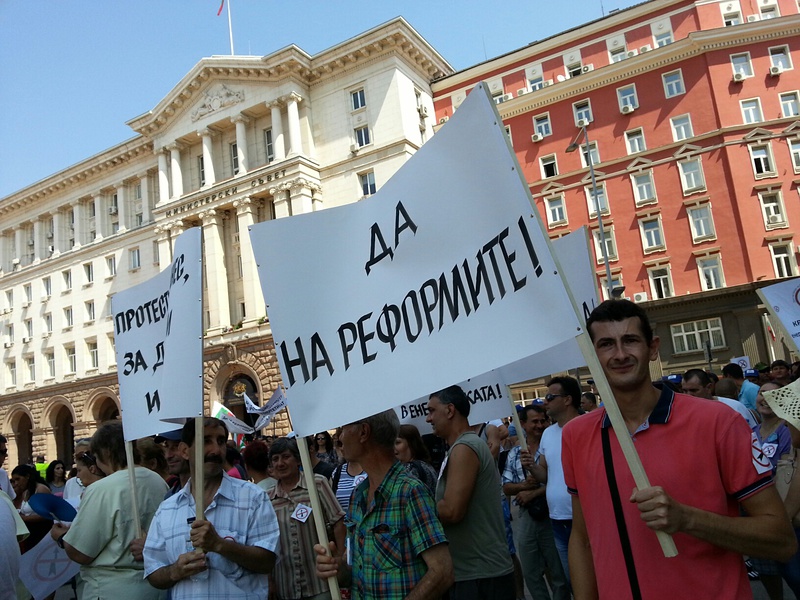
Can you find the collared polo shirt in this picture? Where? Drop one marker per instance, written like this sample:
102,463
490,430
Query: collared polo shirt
295,573
239,511
388,535
703,455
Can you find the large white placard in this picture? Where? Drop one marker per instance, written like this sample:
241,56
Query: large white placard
489,393
783,299
158,333
444,274
45,568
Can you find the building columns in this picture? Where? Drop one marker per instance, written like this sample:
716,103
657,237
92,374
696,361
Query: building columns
175,170
253,296
58,231
122,207
38,248
241,143
100,219
280,199
164,247
163,178
78,223
19,244
144,181
277,131
216,274
301,198
293,115
208,158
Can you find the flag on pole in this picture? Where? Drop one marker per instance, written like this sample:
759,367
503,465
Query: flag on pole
221,6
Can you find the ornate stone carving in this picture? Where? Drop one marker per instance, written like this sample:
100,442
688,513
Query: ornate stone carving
217,98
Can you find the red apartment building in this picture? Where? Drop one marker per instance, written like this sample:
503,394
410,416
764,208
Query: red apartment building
692,112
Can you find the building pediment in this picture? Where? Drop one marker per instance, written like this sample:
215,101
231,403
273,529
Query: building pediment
640,164
219,96
687,150
758,134
202,90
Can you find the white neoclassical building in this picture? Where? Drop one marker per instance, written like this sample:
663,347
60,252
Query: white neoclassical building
239,140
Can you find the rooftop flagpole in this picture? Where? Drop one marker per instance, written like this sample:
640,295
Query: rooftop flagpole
230,26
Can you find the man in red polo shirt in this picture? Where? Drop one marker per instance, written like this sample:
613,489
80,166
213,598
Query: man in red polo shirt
701,465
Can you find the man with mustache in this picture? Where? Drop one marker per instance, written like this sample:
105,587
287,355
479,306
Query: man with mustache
227,554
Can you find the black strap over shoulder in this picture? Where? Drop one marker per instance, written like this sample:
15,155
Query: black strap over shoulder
622,528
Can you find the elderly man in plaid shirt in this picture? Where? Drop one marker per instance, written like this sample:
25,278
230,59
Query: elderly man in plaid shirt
227,554
396,545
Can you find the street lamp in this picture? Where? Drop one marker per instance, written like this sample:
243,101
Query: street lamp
612,292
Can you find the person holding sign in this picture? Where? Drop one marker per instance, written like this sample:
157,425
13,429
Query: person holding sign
290,498
231,551
396,547
466,499
99,538
701,455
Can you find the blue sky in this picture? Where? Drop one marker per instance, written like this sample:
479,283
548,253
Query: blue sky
73,72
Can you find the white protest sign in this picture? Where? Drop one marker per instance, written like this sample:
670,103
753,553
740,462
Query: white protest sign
742,361
488,393
158,334
444,273
783,301
45,568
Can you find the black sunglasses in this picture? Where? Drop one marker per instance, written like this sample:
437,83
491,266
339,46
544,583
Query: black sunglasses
551,397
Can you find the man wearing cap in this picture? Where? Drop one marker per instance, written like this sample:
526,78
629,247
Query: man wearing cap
781,372
747,390
177,466
613,551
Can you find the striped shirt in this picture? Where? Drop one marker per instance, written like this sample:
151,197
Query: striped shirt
295,573
345,484
239,511
388,535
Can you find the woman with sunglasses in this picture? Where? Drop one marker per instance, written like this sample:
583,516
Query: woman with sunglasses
324,448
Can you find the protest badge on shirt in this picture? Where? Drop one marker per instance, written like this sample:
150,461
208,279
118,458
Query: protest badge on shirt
301,513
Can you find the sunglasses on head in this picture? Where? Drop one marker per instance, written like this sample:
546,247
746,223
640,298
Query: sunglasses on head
86,456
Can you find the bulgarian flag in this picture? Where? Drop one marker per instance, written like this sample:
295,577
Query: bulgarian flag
221,6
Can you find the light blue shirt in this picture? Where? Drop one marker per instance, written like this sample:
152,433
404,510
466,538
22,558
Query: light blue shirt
240,511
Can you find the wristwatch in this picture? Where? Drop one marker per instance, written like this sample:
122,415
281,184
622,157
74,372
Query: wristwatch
60,542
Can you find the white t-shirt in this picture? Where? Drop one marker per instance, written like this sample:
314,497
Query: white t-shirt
9,553
740,408
558,499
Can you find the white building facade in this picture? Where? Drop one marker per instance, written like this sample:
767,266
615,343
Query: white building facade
237,141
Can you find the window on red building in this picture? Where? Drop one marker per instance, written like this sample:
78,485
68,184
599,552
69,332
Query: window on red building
556,211
644,189
692,176
732,18
587,151
608,240
740,63
673,84
751,111
772,210
692,336
634,140
763,164
592,202
780,57
681,127
548,166
660,282
652,234
583,112
710,270
794,148
541,123
701,222
626,96
783,260
790,104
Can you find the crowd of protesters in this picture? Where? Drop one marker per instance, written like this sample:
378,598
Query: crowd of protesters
412,516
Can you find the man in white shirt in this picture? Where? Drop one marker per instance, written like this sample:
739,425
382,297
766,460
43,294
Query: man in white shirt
696,382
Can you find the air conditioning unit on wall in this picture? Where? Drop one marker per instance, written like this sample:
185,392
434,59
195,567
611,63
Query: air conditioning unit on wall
640,297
